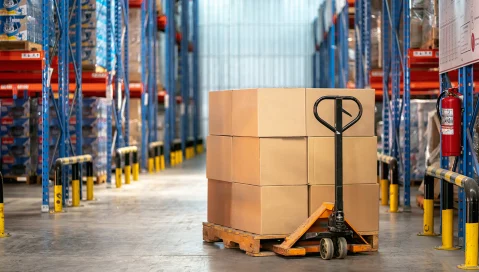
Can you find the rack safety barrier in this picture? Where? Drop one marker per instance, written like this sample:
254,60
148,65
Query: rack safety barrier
176,153
199,146
156,157
388,164
2,212
76,177
125,152
190,148
449,179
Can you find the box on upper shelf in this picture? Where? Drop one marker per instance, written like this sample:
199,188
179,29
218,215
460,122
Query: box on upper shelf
270,161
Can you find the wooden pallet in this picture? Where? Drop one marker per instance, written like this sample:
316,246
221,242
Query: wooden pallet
372,238
100,179
253,244
34,180
19,46
93,68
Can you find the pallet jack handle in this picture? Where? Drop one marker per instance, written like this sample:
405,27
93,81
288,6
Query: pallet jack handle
336,223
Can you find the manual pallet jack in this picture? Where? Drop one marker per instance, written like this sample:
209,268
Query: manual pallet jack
328,225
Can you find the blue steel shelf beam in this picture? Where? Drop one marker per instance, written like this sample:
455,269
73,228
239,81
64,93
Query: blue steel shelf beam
185,75
195,72
144,93
170,84
395,63
326,66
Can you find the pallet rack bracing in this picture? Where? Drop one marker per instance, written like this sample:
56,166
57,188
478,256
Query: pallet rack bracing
330,31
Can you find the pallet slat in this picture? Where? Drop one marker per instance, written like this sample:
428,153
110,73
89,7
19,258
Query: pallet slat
19,46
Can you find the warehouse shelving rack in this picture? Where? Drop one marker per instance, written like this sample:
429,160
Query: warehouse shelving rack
330,31
188,99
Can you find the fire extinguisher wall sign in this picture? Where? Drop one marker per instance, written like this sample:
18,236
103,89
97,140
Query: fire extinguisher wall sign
447,122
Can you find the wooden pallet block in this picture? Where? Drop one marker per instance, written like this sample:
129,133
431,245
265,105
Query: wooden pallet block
93,68
253,244
19,46
100,179
34,180
372,238
12,178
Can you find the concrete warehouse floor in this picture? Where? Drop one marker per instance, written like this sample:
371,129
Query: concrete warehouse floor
156,225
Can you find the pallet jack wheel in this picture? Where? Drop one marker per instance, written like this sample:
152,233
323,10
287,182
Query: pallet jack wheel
341,249
326,248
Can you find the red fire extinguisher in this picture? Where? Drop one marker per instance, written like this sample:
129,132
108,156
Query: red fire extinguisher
451,118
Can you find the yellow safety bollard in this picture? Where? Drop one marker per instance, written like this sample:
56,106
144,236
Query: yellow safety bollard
428,205
89,181
127,169
151,165
58,191
136,167
172,158
157,159
447,217
471,251
384,183
394,198
2,212
75,185
162,162
118,171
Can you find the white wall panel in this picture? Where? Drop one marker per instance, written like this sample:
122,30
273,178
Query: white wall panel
254,44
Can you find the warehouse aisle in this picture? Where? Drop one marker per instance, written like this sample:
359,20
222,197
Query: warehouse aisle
156,225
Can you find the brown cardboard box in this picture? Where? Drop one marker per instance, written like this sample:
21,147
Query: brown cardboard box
361,204
220,112
220,195
269,209
135,109
269,113
270,161
218,158
359,160
326,110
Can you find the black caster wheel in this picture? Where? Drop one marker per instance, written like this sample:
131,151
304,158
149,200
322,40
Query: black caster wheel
341,248
326,248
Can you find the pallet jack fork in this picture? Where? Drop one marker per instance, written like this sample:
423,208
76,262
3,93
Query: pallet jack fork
327,225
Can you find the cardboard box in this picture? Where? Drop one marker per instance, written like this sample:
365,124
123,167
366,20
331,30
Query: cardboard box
220,195
326,110
270,161
218,158
20,7
220,120
269,209
269,113
20,29
359,160
361,204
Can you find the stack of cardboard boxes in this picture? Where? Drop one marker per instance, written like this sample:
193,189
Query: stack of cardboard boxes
270,164
15,137
21,20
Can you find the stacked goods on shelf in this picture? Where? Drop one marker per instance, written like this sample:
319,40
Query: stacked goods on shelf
270,163
94,132
417,15
135,122
20,20
134,50
419,120
15,137
376,40
94,34
430,25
